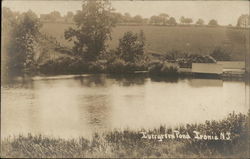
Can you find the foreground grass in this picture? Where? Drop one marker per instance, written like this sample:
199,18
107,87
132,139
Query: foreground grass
131,144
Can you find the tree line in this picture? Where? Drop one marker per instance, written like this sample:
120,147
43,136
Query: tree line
161,19
90,53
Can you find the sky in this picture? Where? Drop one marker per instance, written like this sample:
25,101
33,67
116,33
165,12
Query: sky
225,12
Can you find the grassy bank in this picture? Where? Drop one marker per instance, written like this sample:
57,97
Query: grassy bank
200,40
129,143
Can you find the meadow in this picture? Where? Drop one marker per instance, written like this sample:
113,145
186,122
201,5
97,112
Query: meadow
164,39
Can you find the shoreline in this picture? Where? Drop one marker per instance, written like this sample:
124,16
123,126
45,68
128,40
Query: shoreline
182,75
213,142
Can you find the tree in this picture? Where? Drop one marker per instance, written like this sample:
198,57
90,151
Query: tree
118,17
93,28
69,17
131,46
127,17
55,15
200,22
213,22
163,18
172,21
52,17
23,43
184,20
155,20
137,19
189,20
243,21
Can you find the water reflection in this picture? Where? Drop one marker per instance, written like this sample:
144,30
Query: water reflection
97,111
92,81
18,83
72,107
205,82
170,79
129,79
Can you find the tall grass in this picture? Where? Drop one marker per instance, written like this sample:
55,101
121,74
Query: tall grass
130,143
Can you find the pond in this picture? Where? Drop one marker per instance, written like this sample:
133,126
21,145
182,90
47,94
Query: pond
68,106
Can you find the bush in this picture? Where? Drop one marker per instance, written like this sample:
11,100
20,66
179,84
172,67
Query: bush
220,55
120,66
77,66
63,65
169,68
155,68
131,46
95,67
67,65
163,68
117,66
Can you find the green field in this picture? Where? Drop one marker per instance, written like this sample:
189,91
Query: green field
163,39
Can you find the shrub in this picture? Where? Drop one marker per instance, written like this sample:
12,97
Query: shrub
131,46
63,65
220,55
163,68
77,66
95,67
155,68
169,68
117,66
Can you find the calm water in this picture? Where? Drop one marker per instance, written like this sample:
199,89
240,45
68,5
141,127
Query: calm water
71,107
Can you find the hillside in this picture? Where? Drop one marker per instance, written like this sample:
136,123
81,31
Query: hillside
163,39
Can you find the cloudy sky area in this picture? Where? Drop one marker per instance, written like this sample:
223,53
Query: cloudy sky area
226,12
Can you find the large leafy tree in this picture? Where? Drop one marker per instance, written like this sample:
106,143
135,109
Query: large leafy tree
131,47
93,27
23,42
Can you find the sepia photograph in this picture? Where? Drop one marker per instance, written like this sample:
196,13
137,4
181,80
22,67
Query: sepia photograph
125,79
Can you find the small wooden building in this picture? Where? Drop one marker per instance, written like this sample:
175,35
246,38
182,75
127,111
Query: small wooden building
207,68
